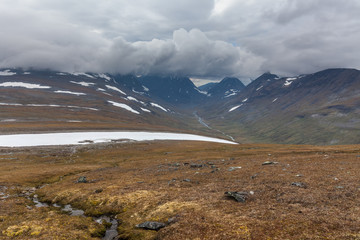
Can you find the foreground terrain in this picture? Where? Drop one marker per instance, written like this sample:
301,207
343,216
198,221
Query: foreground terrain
304,192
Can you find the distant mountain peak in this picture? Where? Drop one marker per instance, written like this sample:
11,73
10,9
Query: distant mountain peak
229,86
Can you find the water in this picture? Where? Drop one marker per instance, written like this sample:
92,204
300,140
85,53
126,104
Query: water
110,234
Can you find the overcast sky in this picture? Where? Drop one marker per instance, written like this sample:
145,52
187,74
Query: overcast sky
196,38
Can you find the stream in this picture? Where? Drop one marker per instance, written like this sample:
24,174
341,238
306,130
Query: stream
201,121
111,232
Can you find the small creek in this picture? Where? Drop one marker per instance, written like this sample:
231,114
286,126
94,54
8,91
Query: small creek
201,121
111,232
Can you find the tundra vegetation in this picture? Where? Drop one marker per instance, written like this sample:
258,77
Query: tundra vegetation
301,192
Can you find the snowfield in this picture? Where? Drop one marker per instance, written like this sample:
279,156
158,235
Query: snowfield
158,106
23,85
85,84
77,138
234,108
124,106
7,73
115,89
69,92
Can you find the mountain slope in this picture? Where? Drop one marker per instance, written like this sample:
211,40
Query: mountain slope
55,101
319,108
226,88
174,90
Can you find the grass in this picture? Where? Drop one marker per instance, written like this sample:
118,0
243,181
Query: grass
137,182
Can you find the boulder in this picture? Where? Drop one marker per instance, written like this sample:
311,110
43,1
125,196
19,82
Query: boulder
238,196
151,225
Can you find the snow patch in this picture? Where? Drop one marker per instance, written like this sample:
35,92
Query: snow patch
115,89
7,73
85,84
275,100
289,81
236,107
80,138
27,73
132,99
101,89
46,105
124,106
68,92
145,88
145,110
83,74
61,74
158,106
23,85
106,77
259,88
8,120
245,100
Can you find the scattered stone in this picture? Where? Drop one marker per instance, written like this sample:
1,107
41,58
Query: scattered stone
186,180
233,168
336,179
151,225
98,190
238,196
175,165
210,163
251,192
268,163
195,165
172,181
254,176
215,170
82,179
299,175
339,187
232,159
298,184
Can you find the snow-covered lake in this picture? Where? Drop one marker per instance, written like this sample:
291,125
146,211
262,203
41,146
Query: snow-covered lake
76,138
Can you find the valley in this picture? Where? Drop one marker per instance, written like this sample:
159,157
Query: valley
79,148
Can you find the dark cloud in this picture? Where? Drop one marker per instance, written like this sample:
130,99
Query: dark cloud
201,38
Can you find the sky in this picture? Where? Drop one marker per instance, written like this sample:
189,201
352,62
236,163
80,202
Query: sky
202,39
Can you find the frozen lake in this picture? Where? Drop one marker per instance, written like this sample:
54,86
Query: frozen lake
76,138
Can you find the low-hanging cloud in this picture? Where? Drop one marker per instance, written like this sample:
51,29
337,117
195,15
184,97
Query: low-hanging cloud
205,39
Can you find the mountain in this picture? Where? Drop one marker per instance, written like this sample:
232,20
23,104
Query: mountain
226,88
319,108
206,87
58,101
173,89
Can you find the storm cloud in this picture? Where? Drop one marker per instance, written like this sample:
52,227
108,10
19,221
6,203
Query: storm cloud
206,39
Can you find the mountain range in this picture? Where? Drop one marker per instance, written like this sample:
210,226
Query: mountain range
319,108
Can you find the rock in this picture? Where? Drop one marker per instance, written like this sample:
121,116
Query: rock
233,168
98,190
151,225
82,179
186,180
269,163
210,163
238,196
195,165
254,176
298,184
